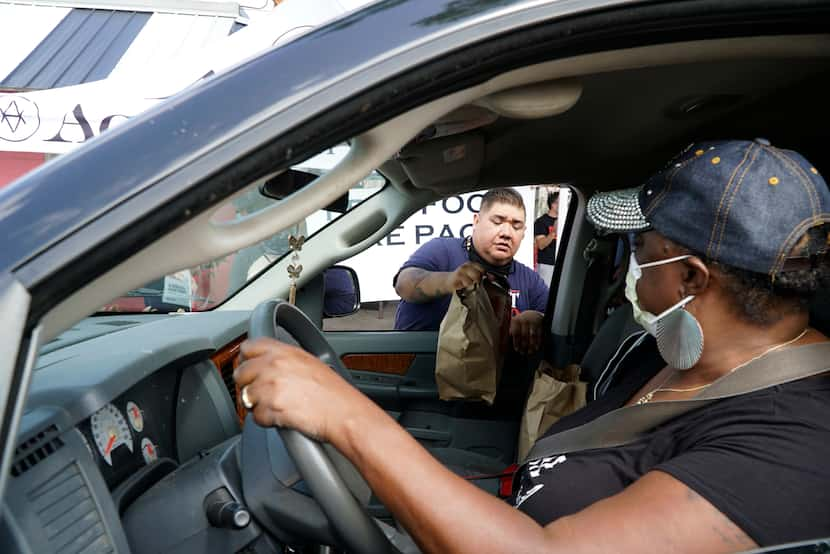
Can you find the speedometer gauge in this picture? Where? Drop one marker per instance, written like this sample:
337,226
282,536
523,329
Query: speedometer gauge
109,429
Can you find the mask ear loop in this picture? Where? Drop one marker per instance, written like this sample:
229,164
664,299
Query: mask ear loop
678,333
666,261
679,306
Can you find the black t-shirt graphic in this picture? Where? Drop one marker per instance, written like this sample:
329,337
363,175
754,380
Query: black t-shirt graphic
760,458
543,226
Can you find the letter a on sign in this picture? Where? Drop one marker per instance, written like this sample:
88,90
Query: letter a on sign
80,122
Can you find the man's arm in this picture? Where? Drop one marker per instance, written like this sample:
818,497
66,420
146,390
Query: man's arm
418,285
543,241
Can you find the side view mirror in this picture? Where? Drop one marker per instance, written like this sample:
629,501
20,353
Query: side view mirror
341,291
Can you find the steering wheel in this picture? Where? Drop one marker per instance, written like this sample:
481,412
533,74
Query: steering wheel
353,524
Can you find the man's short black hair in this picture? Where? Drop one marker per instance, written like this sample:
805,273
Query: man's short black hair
502,195
552,198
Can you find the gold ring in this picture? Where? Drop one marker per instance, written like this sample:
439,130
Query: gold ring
245,400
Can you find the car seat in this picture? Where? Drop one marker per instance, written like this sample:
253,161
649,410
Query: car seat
617,335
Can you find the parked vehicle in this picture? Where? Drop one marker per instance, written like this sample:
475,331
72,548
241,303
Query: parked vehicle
121,431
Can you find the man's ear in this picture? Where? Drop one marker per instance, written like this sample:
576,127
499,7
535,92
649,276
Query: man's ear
695,276
475,218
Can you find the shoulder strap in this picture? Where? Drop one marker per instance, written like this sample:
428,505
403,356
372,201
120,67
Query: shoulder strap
626,424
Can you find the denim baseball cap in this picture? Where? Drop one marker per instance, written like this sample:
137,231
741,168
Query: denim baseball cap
741,203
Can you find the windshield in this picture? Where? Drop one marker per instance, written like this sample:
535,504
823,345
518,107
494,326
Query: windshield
207,285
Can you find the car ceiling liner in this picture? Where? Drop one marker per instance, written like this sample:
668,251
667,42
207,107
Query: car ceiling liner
452,143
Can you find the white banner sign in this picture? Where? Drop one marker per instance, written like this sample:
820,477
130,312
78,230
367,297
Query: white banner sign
57,120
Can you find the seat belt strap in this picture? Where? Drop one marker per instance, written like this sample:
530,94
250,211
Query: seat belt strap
627,424
505,478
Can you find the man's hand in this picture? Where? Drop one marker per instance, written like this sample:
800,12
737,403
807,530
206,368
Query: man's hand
526,330
543,241
419,285
467,275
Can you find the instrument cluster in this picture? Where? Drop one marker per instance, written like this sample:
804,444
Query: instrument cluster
110,431
134,430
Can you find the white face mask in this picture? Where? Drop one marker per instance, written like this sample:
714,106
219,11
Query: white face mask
648,320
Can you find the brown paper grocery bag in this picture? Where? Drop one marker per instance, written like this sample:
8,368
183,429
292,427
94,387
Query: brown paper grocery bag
555,393
472,340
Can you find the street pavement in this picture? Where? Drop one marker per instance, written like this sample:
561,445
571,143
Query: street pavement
372,316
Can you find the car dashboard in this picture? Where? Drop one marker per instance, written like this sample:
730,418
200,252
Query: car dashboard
108,415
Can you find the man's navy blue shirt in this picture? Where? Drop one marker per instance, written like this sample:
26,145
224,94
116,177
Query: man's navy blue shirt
528,290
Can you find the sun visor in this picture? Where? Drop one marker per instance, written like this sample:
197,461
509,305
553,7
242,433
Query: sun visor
440,164
534,101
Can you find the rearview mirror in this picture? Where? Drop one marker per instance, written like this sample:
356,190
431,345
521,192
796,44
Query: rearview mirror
288,182
341,292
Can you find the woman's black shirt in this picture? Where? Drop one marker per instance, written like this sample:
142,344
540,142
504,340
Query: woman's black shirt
762,459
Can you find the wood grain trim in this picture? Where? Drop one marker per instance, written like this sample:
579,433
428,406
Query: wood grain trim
228,353
226,359
396,364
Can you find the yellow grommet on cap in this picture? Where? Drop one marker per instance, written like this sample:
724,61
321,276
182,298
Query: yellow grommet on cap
716,160
814,170
698,152
773,181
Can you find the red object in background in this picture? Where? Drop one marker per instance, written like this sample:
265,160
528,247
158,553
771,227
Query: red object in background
133,304
212,285
16,164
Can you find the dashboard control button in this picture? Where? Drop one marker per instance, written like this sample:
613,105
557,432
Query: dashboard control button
223,511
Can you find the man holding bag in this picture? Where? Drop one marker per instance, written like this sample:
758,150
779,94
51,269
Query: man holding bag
442,266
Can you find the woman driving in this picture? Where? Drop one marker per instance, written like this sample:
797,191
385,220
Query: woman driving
728,245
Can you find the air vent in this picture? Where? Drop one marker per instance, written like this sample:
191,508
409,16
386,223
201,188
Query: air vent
225,361
35,450
227,378
117,323
68,514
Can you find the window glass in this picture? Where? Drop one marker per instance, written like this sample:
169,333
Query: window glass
450,217
206,286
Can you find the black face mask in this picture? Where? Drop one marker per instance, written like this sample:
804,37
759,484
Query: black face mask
502,270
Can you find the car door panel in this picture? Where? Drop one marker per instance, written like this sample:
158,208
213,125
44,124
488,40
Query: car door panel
391,367
397,370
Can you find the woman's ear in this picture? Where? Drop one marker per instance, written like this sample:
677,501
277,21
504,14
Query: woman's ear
695,276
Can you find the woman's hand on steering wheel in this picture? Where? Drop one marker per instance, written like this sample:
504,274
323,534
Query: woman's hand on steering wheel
288,387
